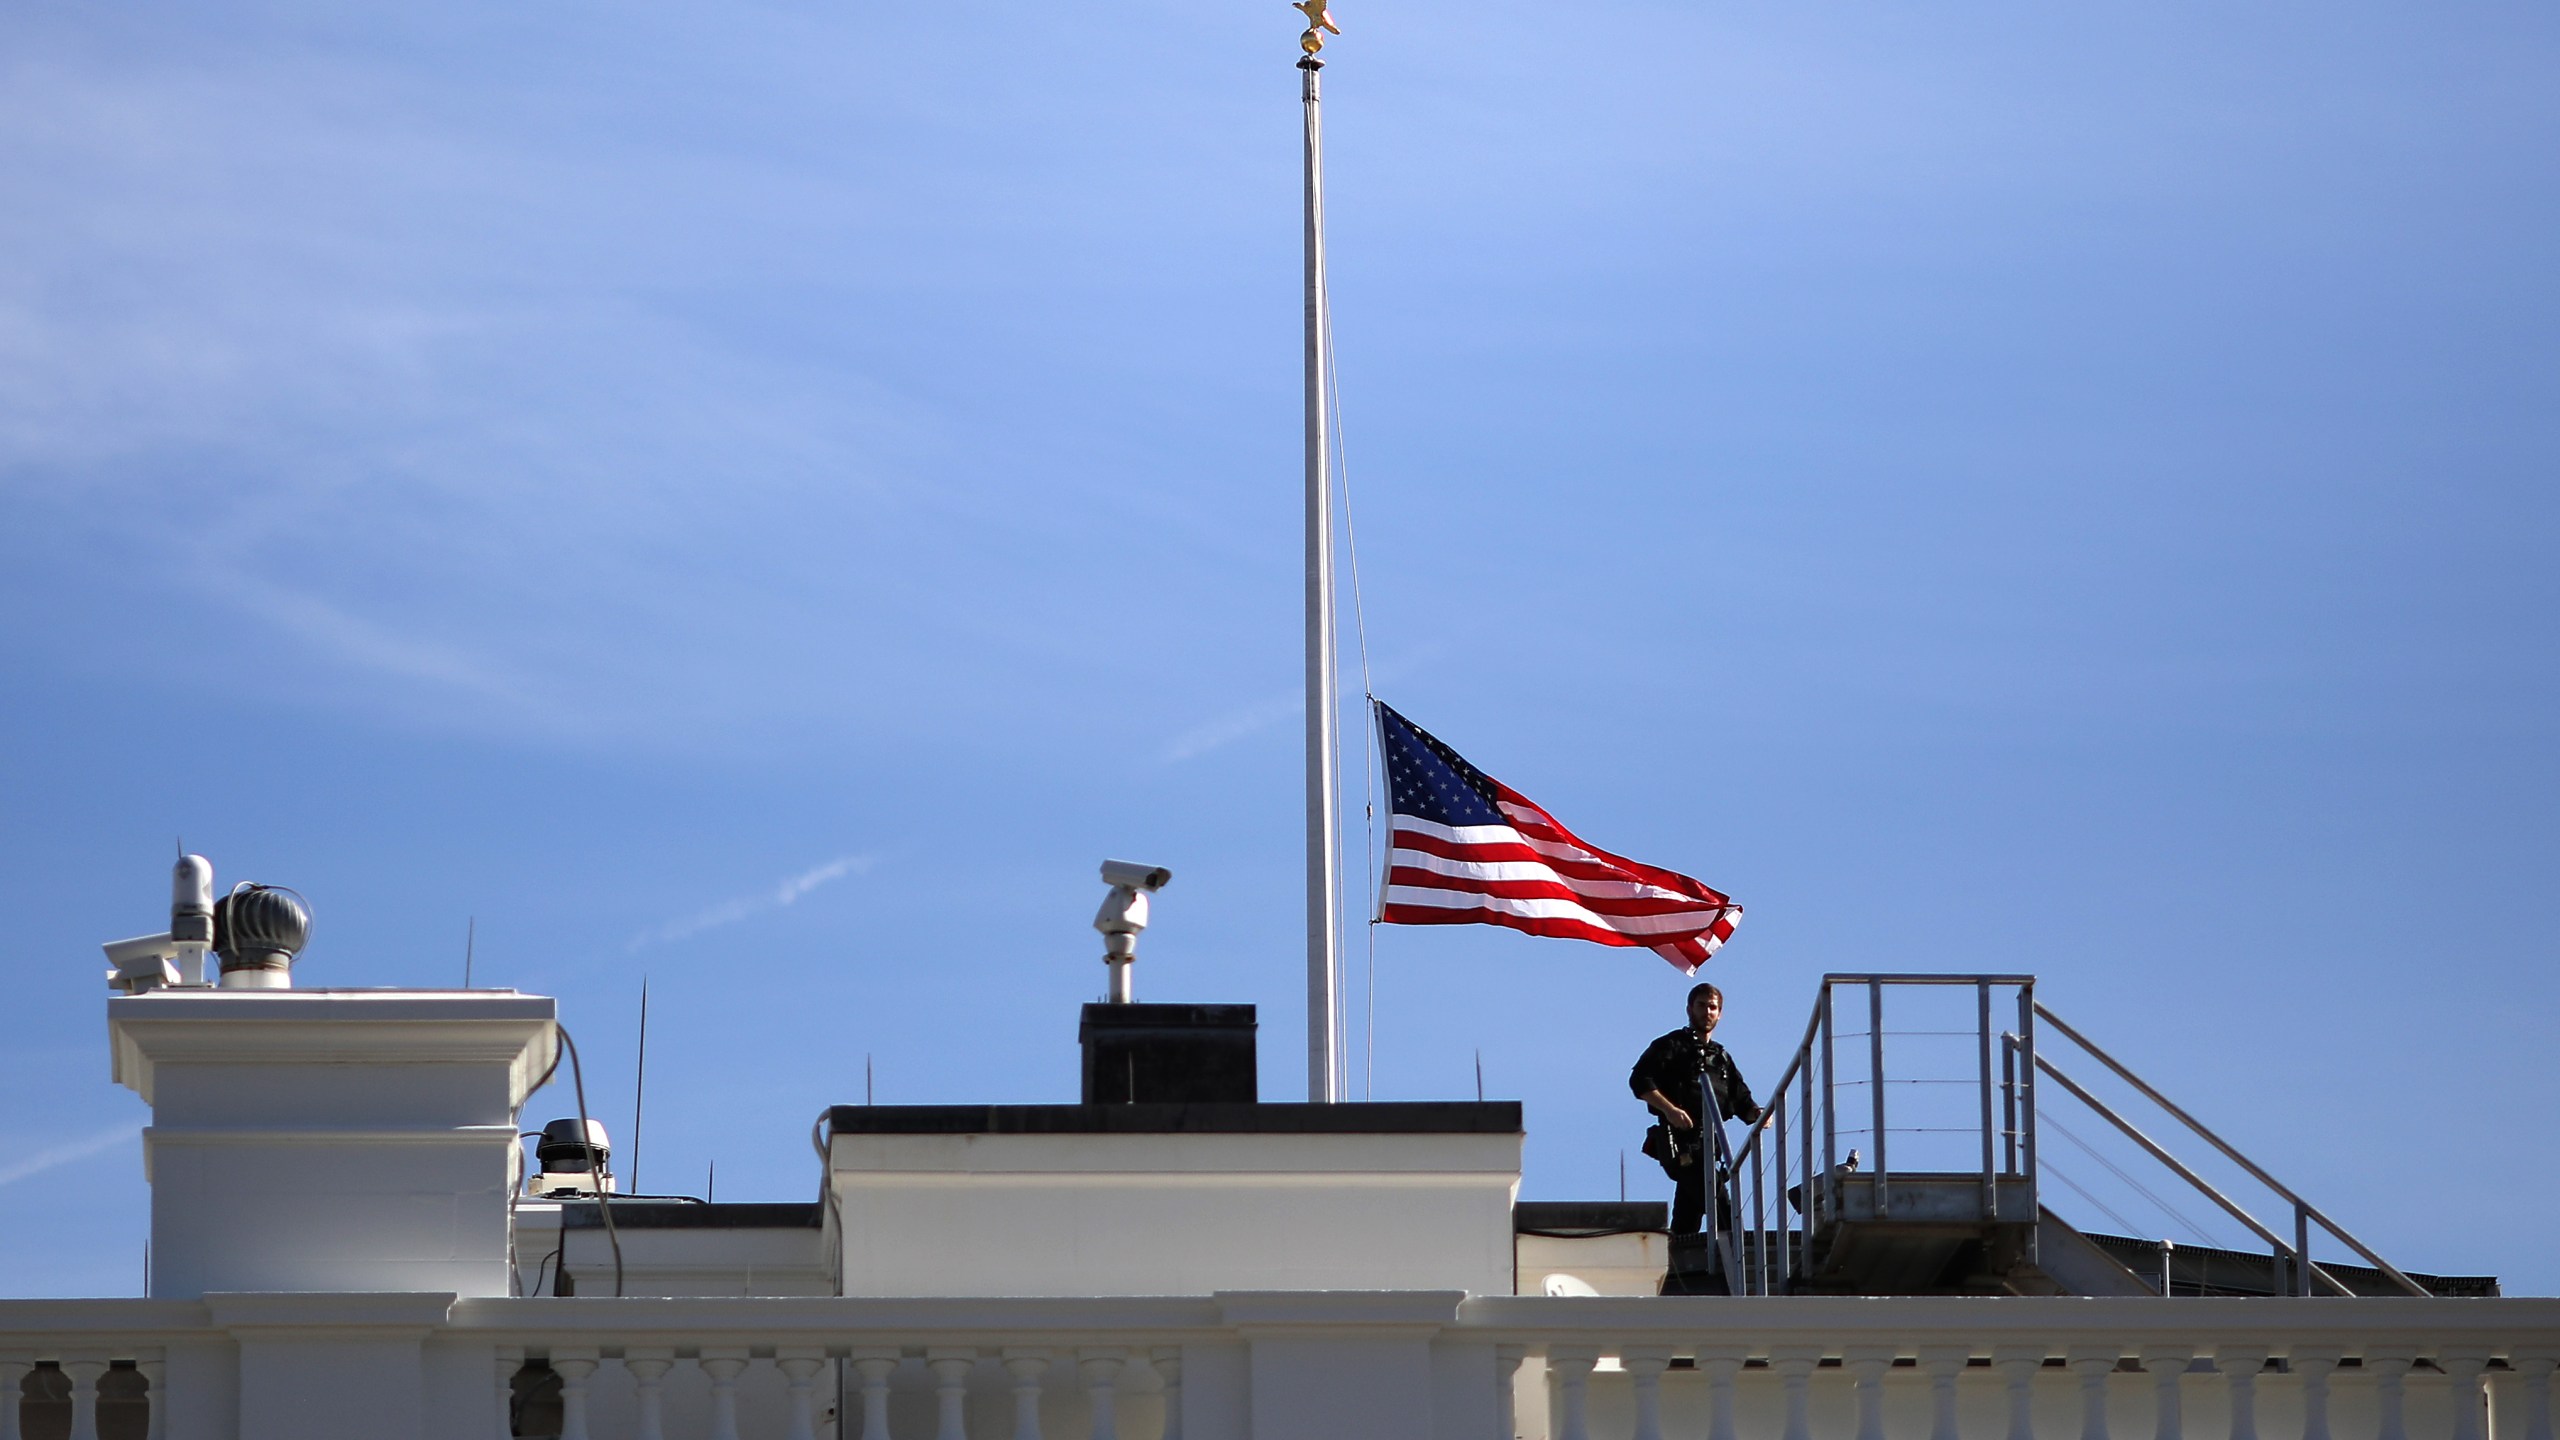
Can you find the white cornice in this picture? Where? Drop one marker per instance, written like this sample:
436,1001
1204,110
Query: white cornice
333,1027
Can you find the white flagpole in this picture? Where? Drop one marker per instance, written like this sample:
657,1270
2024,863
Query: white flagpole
1324,803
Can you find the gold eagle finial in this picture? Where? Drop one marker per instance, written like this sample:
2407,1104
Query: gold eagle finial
1317,20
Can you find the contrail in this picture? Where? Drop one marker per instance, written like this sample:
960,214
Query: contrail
61,1155
731,912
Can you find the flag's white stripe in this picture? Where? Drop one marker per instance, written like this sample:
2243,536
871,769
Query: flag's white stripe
1535,870
1461,834
1552,909
1502,835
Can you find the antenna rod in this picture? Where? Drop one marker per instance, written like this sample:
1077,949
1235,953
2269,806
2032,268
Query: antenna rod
470,942
1324,801
640,1084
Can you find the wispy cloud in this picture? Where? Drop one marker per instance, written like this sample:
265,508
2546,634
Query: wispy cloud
1249,720
745,907
1233,726
67,1154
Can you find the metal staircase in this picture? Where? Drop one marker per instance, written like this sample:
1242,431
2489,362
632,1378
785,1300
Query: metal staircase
1805,1215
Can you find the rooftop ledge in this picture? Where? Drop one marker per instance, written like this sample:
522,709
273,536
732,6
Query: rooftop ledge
1407,1117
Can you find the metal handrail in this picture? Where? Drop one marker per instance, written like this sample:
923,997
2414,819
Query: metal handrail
2304,1211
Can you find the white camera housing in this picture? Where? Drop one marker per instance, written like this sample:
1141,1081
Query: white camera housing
1130,875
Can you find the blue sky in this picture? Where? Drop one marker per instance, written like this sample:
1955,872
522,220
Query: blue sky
767,496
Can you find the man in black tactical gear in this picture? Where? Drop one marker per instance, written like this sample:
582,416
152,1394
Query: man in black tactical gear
1667,1078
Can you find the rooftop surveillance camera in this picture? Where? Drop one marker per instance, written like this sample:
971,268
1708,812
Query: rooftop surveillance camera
1123,915
145,962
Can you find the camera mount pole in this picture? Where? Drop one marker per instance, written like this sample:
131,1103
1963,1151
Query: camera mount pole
1324,800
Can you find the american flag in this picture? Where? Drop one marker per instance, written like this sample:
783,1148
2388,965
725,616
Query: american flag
1467,849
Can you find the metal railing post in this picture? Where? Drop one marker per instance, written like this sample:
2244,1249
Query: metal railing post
1875,1082
2027,1098
2301,1249
1830,1105
1990,1182
1810,1196
2009,1102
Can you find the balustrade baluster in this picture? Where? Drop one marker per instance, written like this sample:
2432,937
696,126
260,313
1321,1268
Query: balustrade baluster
2534,1366
1645,1368
2018,1365
2314,1366
2167,1365
800,1367
1794,1365
875,1367
1101,1372
648,1375
2093,1364
1944,1364
950,1368
1721,1365
509,1360
1168,1363
1867,1365
84,1371
2240,1366
1572,1369
1506,1395
14,1366
153,1368
2464,1366
2389,1369
723,1366
573,1367
1026,1366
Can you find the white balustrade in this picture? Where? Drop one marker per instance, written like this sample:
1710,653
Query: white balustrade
2463,1366
510,1360
1645,1367
15,1366
2535,1365
1723,1366
1025,1367
648,1383
573,1367
154,1373
1506,1390
800,1366
874,1366
2314,1366
2390,1368
1101,1371
1605,1368
2018,1366
85,1371
1168,1366
2093,1364
1944,1365
1794,1364
950,1370
2167,1365
1572,1369
1867,1365
724,1366
2240,1366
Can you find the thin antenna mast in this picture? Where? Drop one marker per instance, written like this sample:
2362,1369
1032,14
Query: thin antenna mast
470,942
1324,800
640,1084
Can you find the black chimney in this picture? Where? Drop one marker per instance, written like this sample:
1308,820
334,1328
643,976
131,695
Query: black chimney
1168,1054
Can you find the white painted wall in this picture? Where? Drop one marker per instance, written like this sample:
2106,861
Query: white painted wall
330,1140
1174,1214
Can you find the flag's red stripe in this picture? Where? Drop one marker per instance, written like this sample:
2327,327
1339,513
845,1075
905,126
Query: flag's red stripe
1489,851
1526,889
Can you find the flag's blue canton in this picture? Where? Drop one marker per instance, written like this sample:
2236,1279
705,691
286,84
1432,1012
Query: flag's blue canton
1429,781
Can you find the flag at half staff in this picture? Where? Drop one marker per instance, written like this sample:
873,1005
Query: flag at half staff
1467,849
